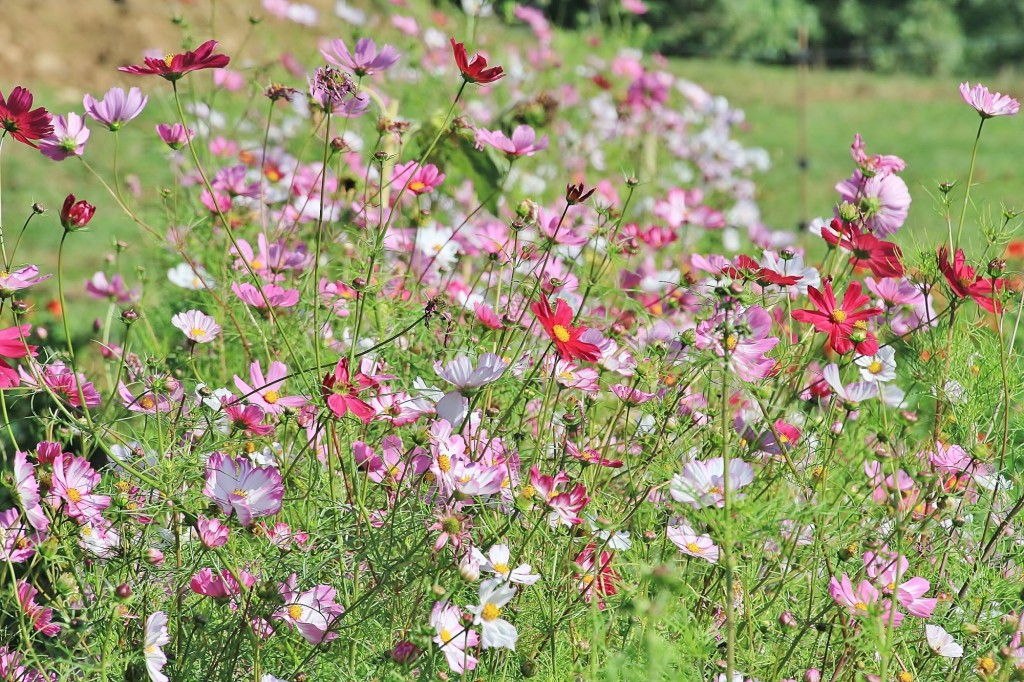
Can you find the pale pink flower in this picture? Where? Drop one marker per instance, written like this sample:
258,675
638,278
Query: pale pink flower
987,104
313,612
235,485
523,142
27,488
212,532
453,637
197,326
156,637
702,483
220,585
17,540
41,618
275,295
692,543
265,390
71,489
883,199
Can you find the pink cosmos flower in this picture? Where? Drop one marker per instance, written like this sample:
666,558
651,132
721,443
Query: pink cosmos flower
212,532
876,164
276,296
523,142
41,618
744,340
160,394
265,390
453,637
68,138
987,104
220,585
365,61
12,669
248,418
17,541
692,543
454,527
702,483
14,281
630,395
175,135
156,636
341,392
116,108
197,326
417,180
27,487
71,489
236,485
313,612
595,577
859,600
910,595
884,200
565,506
113,290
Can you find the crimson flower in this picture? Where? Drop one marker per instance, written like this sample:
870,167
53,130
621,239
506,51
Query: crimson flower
174,66
341,391
18,118
76,215
867,250
475,71
559,327
845,324
749,269
966,283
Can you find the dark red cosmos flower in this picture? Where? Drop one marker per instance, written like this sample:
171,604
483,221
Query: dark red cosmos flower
867,250
559,327
341,391
749,269
76,215
966,283
475,71
174,66
23,122
845,325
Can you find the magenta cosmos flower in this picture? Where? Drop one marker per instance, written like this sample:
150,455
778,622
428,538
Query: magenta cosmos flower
883,199
18,118
12,345
17,540
41,618
68,138
236,485
341,390
365,61
174,66
702,483
175,135
116,108
988,104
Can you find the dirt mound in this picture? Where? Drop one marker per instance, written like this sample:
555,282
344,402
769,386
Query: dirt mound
76,46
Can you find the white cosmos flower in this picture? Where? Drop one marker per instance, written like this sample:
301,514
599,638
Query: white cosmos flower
942,643
498,561
496,632
436,243
156,637
184,276
854,393
878,367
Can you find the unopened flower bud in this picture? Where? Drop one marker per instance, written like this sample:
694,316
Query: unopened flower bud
947,187
812,675
338,144
787,254
848,212
528,210
787,620
154,556
359,284
19,307
38,209
996,267
123,591
404,652
129,316
528,667
688,337
469,569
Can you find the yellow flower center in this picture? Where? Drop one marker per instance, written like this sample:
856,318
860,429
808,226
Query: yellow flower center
393,472
528,491
257,264
714,490
123,486
444,463
198,333
271,397
490,612
87,531
566,376
21,543
731,341
416,186
693,547
587,579
74,495
838,316
147,402
875,367
151,649
501,568
860,324
560,332
904,676
860,606
445,635
168,58
238,492
295,612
